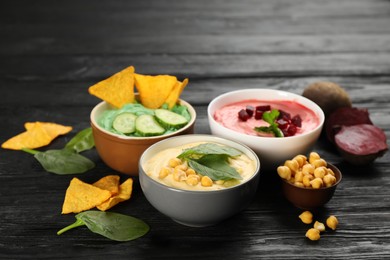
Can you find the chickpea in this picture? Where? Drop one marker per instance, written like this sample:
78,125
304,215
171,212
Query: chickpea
292,164
320,172
174,162
332,222
307,179
308,169
206,181
182,167
179,175
192,180
306,217
301,159
299,184
316,183
313,156
329,180
313,234
220,182
164,172
190,171
330,171
320,226
284,172
298,177
319,162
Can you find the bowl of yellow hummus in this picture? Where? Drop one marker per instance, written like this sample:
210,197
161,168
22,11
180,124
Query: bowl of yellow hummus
199,180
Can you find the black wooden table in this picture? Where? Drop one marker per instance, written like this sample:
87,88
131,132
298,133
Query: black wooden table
52,51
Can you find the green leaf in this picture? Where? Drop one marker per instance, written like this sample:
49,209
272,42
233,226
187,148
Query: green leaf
270,117
82,141
64,162
114,226
212,173
209,148
220,162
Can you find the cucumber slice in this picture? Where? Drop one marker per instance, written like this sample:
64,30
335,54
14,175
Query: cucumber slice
170,119
146,125
124,123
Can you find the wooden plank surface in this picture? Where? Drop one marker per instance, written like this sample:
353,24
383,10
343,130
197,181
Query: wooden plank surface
52,51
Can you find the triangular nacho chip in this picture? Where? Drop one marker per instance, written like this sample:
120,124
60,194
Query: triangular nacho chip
173,97
35,137
81,196
110,183
125,191
154,90
116,90
52,129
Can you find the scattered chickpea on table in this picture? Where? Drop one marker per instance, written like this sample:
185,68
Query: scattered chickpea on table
314,233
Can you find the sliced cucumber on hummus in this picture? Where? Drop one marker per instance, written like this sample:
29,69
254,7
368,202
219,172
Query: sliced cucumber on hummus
170,119
125,123
146,125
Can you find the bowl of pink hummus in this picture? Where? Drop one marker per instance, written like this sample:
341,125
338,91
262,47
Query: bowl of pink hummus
276,124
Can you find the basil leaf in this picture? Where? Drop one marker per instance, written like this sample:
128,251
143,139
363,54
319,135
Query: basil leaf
220,162
214,174
82,141
63,161
209,148
114,226
271,116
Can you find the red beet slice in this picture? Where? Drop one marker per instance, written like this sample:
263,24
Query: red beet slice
361,144
345,116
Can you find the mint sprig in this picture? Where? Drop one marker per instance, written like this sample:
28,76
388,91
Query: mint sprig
270,117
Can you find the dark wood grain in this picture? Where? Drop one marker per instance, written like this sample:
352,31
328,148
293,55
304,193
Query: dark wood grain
52,51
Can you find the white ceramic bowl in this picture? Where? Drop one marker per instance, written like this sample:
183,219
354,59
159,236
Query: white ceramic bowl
272,151
197,208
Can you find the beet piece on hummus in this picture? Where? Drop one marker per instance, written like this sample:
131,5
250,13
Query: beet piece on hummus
361,144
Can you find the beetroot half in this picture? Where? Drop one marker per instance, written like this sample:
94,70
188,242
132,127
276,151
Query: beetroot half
361,144
345,116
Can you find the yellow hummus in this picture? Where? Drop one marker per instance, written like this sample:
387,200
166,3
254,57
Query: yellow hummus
242,163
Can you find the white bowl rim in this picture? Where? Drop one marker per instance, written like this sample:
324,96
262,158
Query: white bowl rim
319,112
191,110
215,139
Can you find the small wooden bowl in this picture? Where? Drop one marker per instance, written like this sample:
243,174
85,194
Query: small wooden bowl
309,198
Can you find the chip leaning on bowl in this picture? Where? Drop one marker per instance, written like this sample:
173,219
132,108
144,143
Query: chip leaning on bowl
126,123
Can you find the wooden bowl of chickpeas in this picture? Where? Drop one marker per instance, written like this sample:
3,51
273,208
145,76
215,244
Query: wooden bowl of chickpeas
309,182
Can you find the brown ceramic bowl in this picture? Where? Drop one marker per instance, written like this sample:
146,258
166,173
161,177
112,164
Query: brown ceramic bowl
122,153
308,198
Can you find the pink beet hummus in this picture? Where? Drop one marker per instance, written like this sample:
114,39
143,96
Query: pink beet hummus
228,115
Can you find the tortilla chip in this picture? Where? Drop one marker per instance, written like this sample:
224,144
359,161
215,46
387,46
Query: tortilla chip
110,183
35,137
173,97
154,90
116,90
82,196
52,129
125,191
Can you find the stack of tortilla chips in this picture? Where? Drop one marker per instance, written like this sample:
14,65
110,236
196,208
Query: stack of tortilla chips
154,91
103,194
